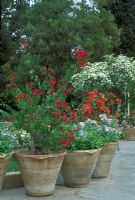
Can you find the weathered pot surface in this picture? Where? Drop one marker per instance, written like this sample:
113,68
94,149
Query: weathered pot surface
78,167
104,161
130,134
3,167
39,172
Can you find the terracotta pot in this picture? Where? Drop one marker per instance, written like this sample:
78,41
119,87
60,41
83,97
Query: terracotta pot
3,167
130,134
39,172
78,167
104,161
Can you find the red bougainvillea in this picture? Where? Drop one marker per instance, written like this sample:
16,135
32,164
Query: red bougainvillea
97,103
81,55
37,91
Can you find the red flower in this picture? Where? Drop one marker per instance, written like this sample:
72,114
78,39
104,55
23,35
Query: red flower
118,100
112,94
87,110
65,142
72,137
73,116
58,115
13,78
65,105
29,83
58,102
104,99
53,81
100,104
58,85
81,53
100,94
65,119
107,110
37,91
29,100
67,91
53,114
25,44
21,96
51,90
51,70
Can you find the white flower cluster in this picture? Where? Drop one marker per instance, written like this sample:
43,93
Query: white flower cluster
122,71
92,74
117,72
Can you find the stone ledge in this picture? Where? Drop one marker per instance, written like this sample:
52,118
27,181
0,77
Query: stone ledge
14,180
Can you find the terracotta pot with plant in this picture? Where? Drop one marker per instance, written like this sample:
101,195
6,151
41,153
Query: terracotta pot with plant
111,134
130,128
78,165
7,146
45,115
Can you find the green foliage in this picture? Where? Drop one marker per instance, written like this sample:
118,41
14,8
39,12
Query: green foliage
124,13
88,137
110,129
43,114
57,27
13,22
94,135
7,142
13,165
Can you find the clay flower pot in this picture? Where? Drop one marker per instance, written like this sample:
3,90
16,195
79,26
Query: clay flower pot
104,161
130,134
39,172
78,167
3,167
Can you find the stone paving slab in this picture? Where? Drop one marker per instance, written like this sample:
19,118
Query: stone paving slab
120,185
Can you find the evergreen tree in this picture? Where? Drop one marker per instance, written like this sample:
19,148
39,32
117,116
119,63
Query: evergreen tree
13,21
57,27
124,13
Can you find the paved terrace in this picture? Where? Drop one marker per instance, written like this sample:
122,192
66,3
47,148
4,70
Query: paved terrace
120,185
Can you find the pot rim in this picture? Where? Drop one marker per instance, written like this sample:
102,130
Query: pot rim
28,154
112,143
85,151
6,156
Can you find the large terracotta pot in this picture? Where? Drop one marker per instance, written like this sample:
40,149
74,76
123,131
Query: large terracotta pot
130,134
104,161
78,167
3,167
39,172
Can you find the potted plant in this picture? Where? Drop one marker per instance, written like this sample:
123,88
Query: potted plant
94,104
80,162
130,128
47,118
111,132
7,145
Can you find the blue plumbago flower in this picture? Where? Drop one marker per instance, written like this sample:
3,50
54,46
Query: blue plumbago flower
104,118
91,121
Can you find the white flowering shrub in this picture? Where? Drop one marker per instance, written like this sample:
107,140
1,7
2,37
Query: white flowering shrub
117,73
122,72
93,76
